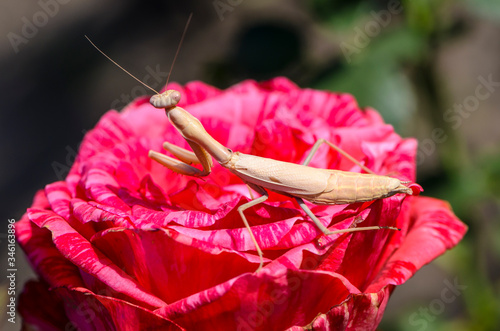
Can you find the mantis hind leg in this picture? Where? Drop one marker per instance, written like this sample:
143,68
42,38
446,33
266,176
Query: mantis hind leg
312,216
306,209
318,143
328,232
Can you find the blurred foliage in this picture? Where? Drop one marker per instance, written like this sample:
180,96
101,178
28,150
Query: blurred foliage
381,65
487,8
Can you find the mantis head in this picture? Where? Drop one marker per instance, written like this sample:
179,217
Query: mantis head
168,99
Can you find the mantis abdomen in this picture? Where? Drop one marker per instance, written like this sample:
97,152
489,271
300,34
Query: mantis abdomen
348,187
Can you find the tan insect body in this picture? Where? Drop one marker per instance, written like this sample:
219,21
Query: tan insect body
319,186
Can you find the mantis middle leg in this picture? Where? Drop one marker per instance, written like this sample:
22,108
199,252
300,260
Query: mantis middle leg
308,211
320,141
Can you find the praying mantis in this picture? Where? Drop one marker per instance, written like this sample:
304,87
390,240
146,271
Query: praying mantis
319,186
297,181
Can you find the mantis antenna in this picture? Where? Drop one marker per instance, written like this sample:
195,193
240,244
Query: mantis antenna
119,66
137,79
179,47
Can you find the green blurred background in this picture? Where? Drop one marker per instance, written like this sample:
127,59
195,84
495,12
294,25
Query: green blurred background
419,63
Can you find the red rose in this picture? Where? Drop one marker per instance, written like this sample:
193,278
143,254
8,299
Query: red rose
124,243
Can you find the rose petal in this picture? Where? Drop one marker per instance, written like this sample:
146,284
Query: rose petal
99,312
260,301
80,252
433,223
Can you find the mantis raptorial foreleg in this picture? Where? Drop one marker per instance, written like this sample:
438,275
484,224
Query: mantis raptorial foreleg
176,165
182,166
181,153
